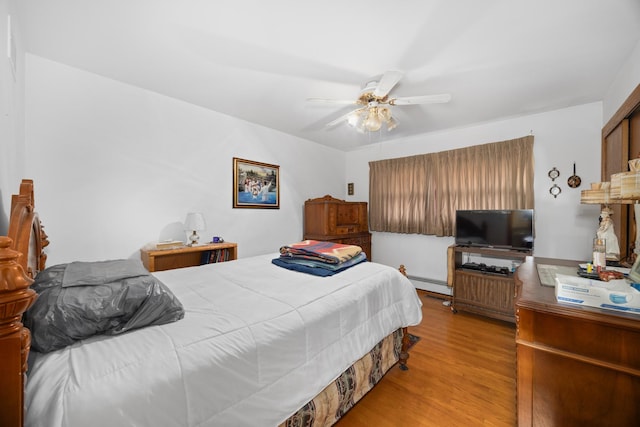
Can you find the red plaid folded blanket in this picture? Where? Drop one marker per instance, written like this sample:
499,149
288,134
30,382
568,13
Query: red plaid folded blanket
329,252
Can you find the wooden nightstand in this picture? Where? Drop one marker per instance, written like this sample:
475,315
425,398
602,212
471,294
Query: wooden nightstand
188,256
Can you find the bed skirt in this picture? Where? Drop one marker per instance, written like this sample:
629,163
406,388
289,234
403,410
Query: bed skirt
338,397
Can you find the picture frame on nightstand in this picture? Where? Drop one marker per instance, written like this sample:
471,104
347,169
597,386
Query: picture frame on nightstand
255,184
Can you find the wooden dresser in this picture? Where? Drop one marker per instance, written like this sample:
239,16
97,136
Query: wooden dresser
335,220
577,365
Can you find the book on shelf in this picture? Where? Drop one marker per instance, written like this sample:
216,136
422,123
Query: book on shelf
215,255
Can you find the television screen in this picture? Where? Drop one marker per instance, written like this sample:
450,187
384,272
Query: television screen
502,229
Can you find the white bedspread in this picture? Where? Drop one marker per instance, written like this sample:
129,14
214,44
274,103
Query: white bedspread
256,343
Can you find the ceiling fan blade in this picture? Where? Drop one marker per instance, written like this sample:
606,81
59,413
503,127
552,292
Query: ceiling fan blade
344,117
332,101
424,99
388,80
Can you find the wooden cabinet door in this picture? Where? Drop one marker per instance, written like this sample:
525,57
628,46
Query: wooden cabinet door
615,157
621,142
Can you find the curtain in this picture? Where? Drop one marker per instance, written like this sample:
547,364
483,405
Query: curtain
420,194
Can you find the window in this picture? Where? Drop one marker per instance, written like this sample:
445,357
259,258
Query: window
420,194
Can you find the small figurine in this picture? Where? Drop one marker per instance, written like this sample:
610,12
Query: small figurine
606,232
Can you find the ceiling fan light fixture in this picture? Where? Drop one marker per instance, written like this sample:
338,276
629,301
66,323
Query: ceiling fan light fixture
354,118
357,120
387,118
391,124
371,119
373,122
375,102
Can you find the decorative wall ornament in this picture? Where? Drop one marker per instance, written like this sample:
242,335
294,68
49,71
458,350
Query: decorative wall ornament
574,180
554,173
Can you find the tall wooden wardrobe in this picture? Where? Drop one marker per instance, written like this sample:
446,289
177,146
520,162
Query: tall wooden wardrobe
620,143
334,220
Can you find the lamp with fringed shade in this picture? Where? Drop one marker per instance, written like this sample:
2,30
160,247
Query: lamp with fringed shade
623,189
600,194
629,193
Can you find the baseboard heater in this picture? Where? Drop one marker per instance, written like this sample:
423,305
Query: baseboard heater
431,285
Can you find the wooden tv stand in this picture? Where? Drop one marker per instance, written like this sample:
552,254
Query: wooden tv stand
485,292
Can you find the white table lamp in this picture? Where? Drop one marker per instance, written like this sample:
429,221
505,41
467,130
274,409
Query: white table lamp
194,223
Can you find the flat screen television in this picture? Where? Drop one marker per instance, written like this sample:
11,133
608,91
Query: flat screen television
500,229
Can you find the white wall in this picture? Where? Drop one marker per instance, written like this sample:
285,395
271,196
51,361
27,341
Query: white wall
116,167
564,227
626,81
12,155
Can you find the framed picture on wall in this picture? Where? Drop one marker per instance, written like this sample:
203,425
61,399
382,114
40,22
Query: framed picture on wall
255,184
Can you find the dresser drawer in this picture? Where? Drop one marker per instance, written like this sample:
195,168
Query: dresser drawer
357,241
346,229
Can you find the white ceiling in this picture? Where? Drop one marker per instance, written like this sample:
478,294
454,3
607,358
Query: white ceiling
260,60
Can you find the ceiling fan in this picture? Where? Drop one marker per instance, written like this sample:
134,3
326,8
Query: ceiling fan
376,104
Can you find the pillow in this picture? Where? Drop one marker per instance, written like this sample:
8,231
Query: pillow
63,313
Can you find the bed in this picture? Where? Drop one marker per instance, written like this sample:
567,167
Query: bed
258,345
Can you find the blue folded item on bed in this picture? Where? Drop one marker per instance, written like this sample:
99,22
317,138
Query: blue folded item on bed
328,252
317,268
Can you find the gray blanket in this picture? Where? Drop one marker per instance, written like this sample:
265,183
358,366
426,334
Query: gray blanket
96,298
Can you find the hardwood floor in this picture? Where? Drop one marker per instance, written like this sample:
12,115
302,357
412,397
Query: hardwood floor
461,373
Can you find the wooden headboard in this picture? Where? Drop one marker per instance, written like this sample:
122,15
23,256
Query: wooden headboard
21,258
